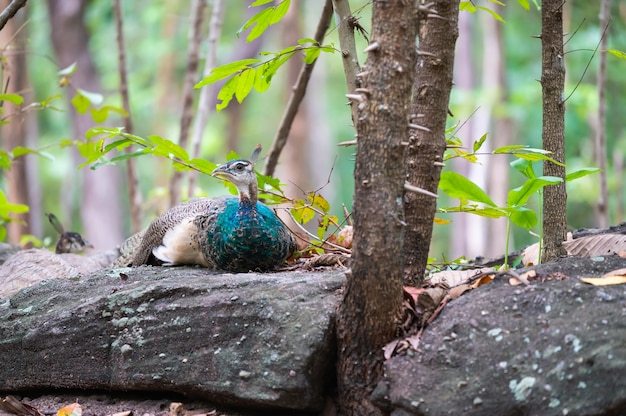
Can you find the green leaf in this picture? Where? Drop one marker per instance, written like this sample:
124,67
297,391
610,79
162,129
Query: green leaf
280,10
305,41
81,103
21,151
226,93
260,3
226,71
319,201
478,144
523,217
487,212
580,173
69,70
524,4
16,99
458,186
244,84
525,167
492,13
94,98
311,54
302,213
519,196
167,148
467,6
617,54
203,165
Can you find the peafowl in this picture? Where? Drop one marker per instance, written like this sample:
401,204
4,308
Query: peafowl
69,241
228,233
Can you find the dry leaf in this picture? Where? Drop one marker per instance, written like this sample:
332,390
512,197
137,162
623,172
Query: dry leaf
344,238
458,277
618,272
13,406
483,280
73,409
604,281
530,255
390,348
457,291
126,413
596,245
528,276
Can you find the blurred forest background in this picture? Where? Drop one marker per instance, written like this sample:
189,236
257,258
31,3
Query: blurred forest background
496,92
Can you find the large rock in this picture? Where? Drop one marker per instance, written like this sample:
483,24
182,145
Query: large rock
553,348
252,340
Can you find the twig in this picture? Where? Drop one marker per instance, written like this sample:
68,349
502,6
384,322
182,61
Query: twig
10,11
186,117
204,107
349,56
134,193
307,232
296,97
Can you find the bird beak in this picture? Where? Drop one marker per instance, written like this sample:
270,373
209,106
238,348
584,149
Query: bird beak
220,172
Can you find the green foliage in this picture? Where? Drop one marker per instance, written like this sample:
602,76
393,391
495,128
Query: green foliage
264,19
7,212
473,199
248,74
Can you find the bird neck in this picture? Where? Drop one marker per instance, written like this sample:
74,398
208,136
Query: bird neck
249,195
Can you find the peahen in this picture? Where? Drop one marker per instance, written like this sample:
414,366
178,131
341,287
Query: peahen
236,234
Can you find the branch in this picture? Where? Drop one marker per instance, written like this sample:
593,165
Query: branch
204,102
298,94
134,194
349,56
186,116
10,11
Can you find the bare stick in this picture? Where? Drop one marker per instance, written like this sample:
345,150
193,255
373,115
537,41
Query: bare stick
10,11
204,102
186,116
298,94
350,59
134,195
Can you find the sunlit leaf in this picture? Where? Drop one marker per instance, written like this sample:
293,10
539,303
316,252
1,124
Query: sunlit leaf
203,165
441,221
260,3
15,99
524,4
617,54
73,409
580,173
311,54
68,70
458,186
226,93
94,98
81,103
478,143
244,84
492,13
226,71
604,281
467,6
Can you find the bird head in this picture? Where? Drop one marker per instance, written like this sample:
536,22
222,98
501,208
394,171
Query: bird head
240,172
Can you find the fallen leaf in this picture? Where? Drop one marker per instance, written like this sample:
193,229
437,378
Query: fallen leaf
457,277
529,276
483,280
390,348
604,281
126,413
13,406
596,245
530,255
618,272
73,409
457,291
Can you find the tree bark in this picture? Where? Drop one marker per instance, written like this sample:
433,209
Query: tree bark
14,79
100,208
431,93
367,317
553,132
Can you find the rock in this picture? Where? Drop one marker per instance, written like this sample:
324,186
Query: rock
263,341
553,348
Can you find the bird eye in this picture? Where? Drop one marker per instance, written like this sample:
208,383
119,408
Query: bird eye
240,166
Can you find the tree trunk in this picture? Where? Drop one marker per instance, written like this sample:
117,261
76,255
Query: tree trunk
553,133
367,317
14,77
100,207
431,93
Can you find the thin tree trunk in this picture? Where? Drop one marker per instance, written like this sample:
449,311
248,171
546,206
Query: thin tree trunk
191,77
553,132
134,193
350,59
10,10
100,208
297,95
602,209
204,108
367,316
14,79
431,94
